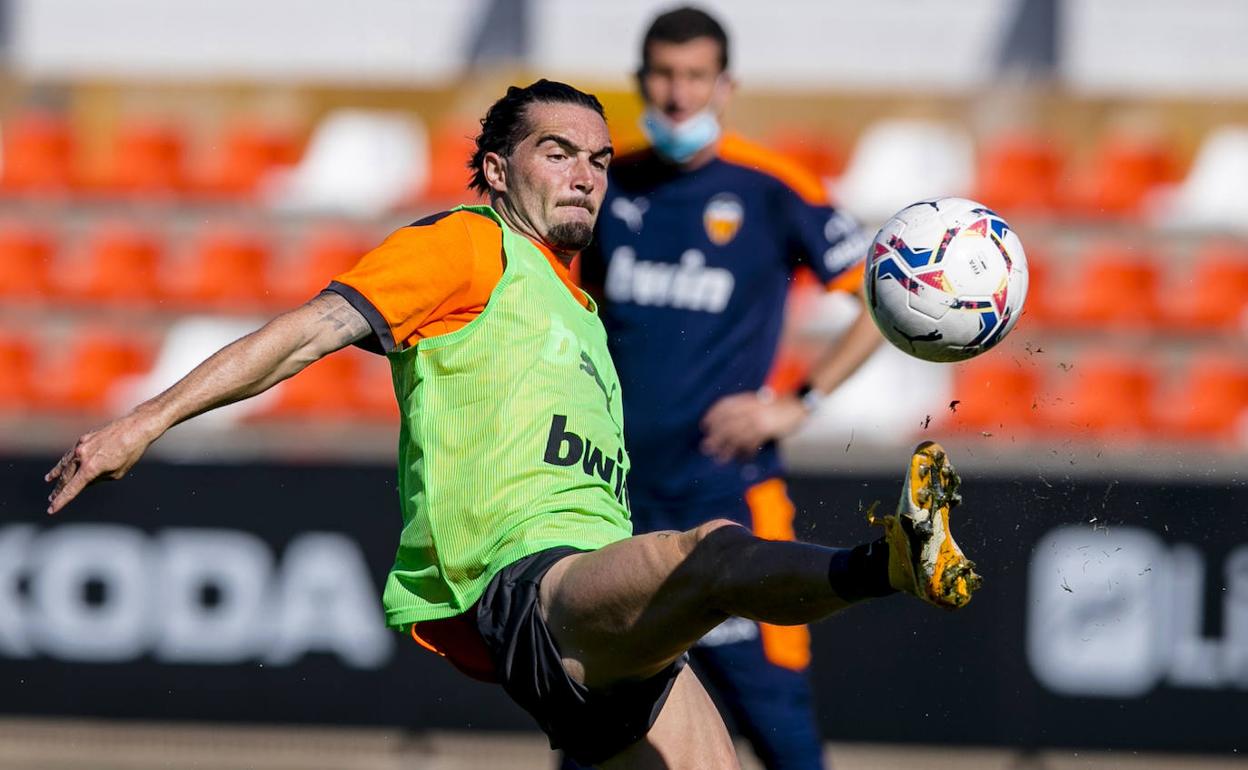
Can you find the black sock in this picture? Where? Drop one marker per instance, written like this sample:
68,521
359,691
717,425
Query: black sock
860,572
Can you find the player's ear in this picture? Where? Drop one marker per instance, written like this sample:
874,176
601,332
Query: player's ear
494,167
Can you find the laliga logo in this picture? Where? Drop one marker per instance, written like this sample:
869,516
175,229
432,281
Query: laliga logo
107,593
1114,614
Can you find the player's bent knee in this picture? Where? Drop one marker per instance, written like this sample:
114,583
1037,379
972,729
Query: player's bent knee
708,538
705,531
714,546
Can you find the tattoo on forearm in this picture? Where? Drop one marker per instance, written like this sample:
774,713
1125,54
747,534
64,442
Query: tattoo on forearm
345,321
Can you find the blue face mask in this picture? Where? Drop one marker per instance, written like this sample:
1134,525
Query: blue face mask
678,142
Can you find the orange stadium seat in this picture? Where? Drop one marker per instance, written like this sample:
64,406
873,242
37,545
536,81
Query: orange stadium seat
1123,171
1102,394
25,262
1210,403
351,384
451,144
324,389
1213,294
1019,174
17,360
148,159
995,394
1038,308
1114,286
122,266
39,154
325,253
80,377
815,152
373,396
228,271
244,154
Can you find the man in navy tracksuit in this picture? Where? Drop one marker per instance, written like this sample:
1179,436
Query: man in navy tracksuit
695,248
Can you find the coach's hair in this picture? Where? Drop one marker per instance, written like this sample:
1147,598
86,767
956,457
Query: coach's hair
680,26
506,124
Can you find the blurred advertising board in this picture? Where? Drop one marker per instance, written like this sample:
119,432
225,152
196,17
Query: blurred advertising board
1114,615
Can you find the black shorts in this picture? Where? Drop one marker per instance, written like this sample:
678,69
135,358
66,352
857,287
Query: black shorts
589,725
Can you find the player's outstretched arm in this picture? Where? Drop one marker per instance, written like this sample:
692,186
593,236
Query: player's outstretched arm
245,367
844,355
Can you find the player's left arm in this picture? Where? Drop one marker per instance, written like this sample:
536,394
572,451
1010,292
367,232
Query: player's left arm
843,356
834,246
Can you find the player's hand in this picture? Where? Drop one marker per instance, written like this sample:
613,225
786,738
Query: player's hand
107,453
737,426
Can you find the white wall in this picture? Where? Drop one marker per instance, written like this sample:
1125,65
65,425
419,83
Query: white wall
793,43
1178,47
405,41
1105,46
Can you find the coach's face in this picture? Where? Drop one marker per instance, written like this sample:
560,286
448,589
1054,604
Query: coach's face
551,186
682,79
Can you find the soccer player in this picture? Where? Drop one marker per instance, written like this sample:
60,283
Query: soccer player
516,559
699,237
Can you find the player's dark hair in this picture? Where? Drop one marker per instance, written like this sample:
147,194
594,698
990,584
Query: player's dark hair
680,26
506,123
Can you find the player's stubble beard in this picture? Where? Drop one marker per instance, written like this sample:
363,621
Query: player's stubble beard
571,236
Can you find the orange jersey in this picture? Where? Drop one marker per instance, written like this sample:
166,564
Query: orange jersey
431,278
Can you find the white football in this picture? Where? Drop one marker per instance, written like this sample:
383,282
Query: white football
946,279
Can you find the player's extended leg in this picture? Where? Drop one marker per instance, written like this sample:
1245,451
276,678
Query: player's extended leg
631,608
688,735
628,610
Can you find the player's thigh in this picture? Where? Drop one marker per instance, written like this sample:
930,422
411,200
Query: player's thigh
631,608
688,735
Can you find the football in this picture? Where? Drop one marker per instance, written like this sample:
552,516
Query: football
946,279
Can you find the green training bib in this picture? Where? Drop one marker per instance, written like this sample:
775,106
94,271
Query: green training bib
511,440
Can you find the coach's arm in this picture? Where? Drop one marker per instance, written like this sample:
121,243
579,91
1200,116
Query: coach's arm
245,367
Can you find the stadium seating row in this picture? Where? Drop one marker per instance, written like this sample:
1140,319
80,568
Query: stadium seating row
86,375
1018,173
349,385
231,269
1028,174
1103,395
148,158
1128,177
73,377
1111,285
151,159
226,268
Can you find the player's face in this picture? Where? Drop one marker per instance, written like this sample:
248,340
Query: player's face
682,79
557,176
